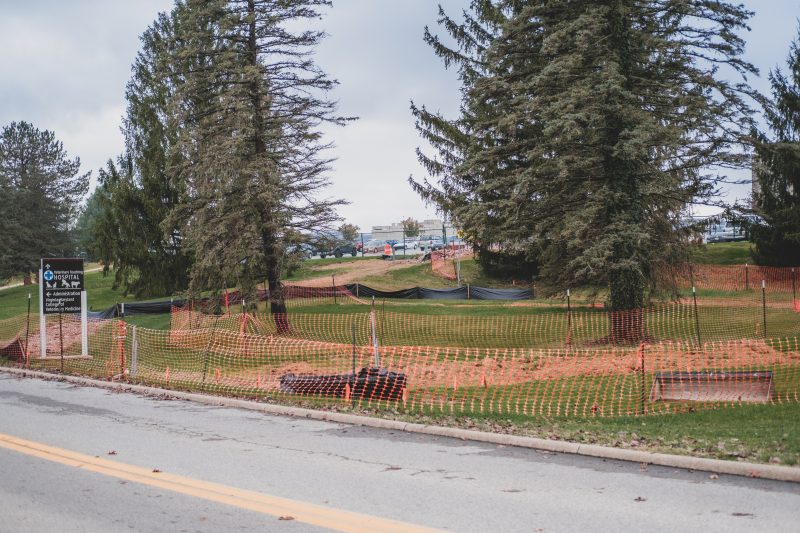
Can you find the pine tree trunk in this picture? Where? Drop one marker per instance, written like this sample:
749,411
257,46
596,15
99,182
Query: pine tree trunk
27,279
277,303
277,306
627,305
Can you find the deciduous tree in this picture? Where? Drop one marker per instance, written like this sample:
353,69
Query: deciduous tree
349,232
411,227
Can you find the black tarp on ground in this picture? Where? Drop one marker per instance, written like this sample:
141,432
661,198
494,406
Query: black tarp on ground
138,308
362,291
468,292
105,314
151,308
462,293
370,384
483,293
443,294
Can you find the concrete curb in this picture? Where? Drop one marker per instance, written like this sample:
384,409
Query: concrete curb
773,472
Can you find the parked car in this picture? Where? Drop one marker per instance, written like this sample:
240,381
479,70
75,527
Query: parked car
373,246
408,245
340,250
306,251
725,231
431,244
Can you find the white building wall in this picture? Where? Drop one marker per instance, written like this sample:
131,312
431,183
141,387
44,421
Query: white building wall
430,228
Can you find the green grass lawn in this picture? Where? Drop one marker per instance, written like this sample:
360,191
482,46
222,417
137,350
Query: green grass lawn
486,324
159,322
421,275
723,253
418,275
472,273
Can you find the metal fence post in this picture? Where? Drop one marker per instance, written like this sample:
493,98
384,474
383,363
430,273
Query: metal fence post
764,306
641,361
569,318
746,277
27,331
134,352
696,317
375,350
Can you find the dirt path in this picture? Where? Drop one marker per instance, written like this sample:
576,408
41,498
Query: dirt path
356,270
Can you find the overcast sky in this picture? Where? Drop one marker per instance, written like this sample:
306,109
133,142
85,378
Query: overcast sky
64,66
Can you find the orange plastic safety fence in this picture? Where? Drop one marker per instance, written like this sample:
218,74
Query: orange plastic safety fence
294,296
297,295
14,334
559,328
725,343
736,278
602,380
607,381
106,356
443,262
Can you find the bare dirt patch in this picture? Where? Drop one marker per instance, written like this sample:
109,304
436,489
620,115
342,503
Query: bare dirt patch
68,333
424,368
355,271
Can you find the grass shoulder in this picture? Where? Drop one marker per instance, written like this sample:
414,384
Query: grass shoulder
754,433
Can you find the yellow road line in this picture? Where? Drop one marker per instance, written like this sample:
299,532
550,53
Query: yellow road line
309,513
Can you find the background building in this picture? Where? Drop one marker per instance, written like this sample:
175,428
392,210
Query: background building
430,228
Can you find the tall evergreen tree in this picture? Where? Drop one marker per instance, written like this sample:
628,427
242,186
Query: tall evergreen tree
83,231
615,125
481,151
137,193
40,189
249,150
778,170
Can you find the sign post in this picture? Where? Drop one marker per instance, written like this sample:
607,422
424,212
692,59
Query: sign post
61,290
42,321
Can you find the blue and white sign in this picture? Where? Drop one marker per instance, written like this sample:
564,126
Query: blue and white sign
62,280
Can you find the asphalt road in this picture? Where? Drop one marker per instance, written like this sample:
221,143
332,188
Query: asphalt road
58,473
